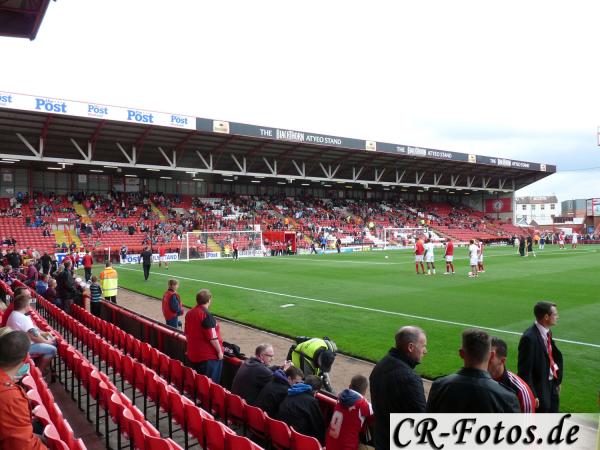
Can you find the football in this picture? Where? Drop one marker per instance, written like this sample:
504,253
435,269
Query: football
386,256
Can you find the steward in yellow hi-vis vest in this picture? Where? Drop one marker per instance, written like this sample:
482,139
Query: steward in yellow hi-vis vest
314,357
109,282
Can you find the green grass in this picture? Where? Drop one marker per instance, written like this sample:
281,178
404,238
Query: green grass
502,298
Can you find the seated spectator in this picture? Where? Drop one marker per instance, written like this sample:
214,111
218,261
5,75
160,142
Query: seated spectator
10,308
255,373
471,389
300,409
349,416
15,414
42,344
42,285
6,275
50,293
271,396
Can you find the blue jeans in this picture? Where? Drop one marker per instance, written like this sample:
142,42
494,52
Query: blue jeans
44,350
211,368
174,322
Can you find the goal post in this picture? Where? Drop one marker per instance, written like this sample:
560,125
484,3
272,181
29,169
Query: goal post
197,245
396,238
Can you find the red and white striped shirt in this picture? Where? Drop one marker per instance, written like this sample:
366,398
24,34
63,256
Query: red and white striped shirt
524,393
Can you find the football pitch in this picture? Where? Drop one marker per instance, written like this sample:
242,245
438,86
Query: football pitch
361,299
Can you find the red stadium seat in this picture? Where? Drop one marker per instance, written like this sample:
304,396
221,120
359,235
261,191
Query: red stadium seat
256,422
240,443
279,434
303,442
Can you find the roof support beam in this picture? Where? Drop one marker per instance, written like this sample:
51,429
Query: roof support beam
378,175
454,180
485,181
356,174
32,149
172,162
272,168
242,166
87,156
132,158
501,183
209,164
301,172
399,176
329,173
470,181
419,177
437,177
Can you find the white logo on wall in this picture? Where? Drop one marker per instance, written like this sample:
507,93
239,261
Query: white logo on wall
498,205
220,126
371,146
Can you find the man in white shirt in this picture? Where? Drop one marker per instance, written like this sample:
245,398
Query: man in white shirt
574,238
473,258
42,344
429,257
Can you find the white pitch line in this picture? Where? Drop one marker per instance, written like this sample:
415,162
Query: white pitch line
324,259
363,308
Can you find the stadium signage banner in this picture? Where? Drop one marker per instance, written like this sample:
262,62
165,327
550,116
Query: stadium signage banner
95,110
135,258
215,126
489,431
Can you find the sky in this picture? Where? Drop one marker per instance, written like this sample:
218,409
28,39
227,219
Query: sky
519,80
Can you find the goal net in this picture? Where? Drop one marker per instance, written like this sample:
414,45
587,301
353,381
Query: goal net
395,238
220,244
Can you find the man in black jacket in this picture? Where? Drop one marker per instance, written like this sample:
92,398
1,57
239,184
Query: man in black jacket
472,389
276,390
254,374
395,387
146,261
65,288
540,361
46,263
301,410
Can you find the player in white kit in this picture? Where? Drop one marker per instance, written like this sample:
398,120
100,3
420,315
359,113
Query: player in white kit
429,257
473,257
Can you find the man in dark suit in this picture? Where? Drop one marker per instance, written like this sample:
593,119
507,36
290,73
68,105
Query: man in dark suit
540,361
472,389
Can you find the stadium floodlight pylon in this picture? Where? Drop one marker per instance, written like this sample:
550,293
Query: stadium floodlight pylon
196,245
394,238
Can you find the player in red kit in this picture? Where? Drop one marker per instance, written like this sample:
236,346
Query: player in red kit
449,256
162,251
349,416
235,251
419,253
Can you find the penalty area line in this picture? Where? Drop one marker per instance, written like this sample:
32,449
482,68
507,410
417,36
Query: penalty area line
361,308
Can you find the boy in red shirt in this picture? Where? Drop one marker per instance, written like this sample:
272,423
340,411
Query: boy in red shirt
349,416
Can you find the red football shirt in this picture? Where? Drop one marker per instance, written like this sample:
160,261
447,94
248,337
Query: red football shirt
200,328
419,248
346,424
88,262
450,249
161,251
